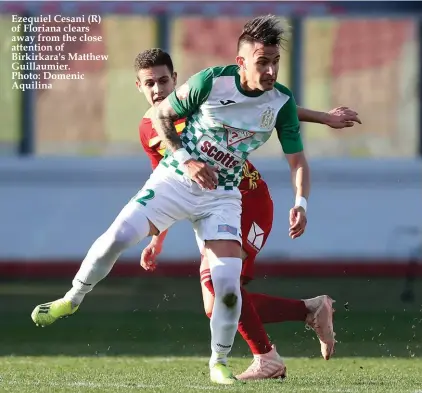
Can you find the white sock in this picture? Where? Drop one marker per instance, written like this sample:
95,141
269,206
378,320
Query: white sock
104,253
225,275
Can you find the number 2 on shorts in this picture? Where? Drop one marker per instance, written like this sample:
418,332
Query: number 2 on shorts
149,194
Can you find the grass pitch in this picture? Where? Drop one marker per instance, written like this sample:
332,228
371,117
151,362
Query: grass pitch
150,335
189,374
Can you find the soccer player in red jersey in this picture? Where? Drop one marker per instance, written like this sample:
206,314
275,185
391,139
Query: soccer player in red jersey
156,79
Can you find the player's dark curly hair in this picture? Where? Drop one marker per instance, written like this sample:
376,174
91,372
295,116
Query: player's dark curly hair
151,58
267,30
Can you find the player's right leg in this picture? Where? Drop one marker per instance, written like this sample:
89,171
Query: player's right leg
141,217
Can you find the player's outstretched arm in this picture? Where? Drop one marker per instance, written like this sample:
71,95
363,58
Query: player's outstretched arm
338,118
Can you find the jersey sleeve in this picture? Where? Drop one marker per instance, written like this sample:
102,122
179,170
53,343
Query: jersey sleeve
152,153
191,95
288,127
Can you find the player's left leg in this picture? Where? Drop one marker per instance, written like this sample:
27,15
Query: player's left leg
219,233
225,267
251,329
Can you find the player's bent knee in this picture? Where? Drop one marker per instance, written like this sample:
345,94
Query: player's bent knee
123,233
136,216
225,275
230,299
121,236
227,290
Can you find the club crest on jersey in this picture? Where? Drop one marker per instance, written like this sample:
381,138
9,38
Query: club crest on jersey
235,135
267,118
182,92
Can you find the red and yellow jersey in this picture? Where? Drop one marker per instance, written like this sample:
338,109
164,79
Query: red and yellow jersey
151,142
155,149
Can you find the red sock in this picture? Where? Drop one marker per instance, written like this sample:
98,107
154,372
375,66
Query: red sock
250,326
206,276
273,309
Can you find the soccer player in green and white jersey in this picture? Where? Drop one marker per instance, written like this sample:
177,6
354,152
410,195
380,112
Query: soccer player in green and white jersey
231,111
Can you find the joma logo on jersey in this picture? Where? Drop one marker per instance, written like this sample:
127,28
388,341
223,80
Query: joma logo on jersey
217,153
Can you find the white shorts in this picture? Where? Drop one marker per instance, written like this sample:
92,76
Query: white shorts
168,197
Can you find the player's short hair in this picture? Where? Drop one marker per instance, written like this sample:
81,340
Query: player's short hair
153,57
267,30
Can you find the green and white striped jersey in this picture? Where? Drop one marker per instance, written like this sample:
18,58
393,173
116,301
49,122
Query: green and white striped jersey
224,123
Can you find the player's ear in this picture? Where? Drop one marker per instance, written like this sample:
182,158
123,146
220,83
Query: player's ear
174,78
240,61
138,85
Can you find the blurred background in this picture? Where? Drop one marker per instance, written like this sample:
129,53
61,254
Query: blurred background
70,159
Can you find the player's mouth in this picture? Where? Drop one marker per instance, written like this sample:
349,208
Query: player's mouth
157,100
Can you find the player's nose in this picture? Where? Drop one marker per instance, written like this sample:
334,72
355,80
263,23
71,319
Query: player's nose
271,71
156,89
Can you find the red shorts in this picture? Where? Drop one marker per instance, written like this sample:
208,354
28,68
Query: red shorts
256,224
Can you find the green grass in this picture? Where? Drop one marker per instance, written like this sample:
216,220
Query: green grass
170,375
150,335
